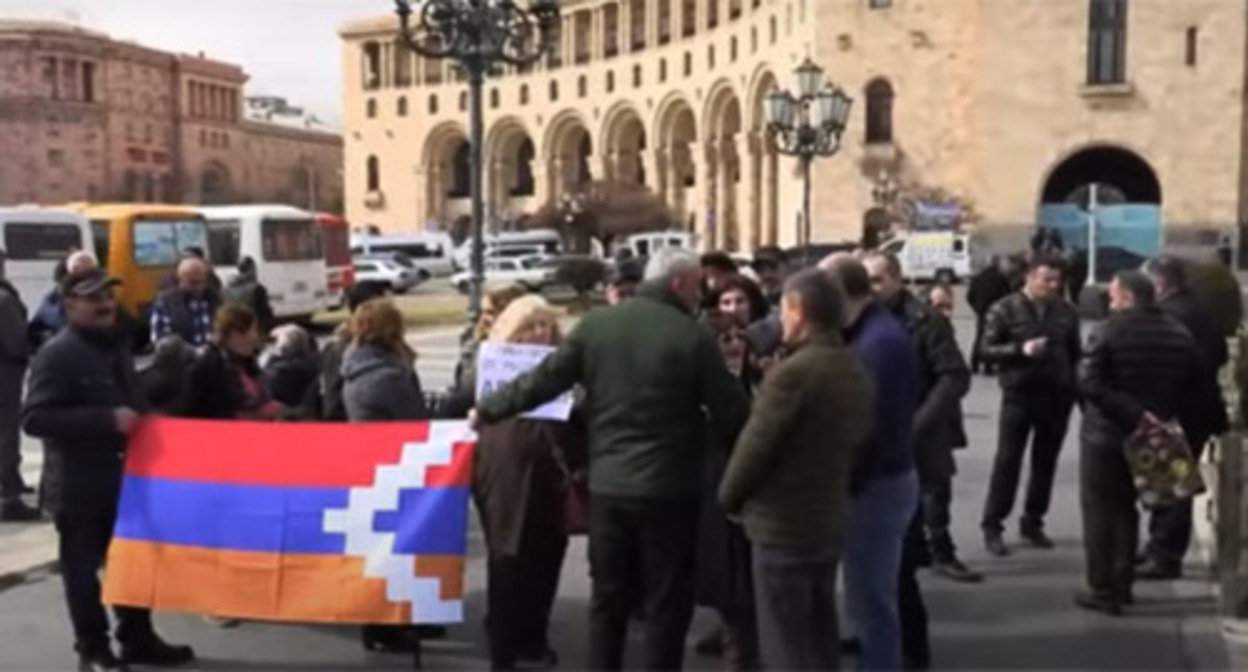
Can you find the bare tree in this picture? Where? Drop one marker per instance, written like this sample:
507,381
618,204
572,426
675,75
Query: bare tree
604,211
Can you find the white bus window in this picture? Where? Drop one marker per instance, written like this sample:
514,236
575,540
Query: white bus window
41,242
290,240
160,243
959,245
224,241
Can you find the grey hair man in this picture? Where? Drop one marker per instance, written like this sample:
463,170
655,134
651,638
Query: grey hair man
789,473
187,310
81,262
655,380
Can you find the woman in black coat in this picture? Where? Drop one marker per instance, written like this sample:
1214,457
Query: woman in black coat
724,568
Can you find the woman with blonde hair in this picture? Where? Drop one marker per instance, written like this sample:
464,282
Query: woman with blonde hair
463,392
521,475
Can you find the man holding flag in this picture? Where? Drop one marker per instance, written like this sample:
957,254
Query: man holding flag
83,400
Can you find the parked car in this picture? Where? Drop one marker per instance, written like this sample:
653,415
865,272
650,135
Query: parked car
533,272
388,273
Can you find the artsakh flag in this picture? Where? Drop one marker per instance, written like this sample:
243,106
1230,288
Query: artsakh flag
361,523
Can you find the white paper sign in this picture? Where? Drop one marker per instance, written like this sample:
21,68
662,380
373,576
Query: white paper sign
500,363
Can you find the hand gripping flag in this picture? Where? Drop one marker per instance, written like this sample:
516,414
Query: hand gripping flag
362,523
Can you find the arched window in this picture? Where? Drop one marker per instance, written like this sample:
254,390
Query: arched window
433,104
636,75
370,109
610,81
461,172
525,185
401,106
494,100
524,94
463,101
879,112
688,64
554,90
582,86
373,170
662,70
732,50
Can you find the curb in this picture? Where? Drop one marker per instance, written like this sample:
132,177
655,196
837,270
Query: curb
29,551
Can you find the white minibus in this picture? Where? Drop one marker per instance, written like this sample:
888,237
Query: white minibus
35,240
538,241
284,242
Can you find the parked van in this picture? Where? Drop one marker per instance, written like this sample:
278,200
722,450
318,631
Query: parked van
431,254
645,244
339,272
35,240
285,243
539,241
942,256
140,244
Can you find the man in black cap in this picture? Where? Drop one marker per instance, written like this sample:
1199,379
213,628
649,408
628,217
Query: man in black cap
14,353
83,400
622,280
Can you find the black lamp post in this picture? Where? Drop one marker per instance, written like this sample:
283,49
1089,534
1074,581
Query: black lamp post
479,35
807,125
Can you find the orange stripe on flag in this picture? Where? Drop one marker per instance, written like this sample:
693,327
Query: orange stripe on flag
263,586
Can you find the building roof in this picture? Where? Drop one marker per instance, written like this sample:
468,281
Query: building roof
47,26
277,111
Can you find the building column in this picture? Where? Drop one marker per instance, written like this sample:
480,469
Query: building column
677,195
769,188
541,181
652,24
747,195
605,165
649,159
707,221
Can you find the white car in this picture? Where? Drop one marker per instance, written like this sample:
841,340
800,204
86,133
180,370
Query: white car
388,273
531,272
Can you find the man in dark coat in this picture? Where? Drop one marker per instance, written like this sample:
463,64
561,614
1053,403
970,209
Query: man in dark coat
653,377
1170,529
1137,370
14,353
989,286
937,424
84,400
1034,336
187,310
245,290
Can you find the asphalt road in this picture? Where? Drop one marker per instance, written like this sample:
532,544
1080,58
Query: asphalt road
1020,618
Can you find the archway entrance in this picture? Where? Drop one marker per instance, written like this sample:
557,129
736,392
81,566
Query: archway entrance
1116,190
445,161
568,151
624,140
725,156
510,154
677,132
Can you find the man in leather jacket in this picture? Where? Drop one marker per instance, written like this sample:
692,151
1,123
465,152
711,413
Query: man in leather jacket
1033,335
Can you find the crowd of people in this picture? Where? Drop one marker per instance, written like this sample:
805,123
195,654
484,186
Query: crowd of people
742,439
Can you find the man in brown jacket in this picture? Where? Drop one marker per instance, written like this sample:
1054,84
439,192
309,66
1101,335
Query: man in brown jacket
788,476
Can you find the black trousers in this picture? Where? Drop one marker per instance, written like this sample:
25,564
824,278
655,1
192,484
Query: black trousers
795,590
976,362
647,548
915,645
1170,528
1038,416
520,594
84,538
937,500
1110,519
10,433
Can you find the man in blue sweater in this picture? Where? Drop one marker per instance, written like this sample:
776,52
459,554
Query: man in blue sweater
883,485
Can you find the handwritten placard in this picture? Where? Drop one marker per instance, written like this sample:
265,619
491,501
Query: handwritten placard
500,363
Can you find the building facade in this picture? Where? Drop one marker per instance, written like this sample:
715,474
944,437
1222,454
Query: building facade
86,117
999,107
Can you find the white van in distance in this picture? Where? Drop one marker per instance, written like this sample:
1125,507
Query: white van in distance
940,256
539,241
430,254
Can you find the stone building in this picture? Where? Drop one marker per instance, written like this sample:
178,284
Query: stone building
999,106
86,117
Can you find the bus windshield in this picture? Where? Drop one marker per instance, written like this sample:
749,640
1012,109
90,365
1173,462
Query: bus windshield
160,242
290,240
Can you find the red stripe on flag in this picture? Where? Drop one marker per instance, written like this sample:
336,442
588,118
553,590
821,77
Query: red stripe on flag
268,453
458,472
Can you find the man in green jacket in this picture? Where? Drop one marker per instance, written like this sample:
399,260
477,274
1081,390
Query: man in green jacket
788,478
654,382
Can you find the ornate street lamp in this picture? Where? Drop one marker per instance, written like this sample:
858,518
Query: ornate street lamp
807,125
479,35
